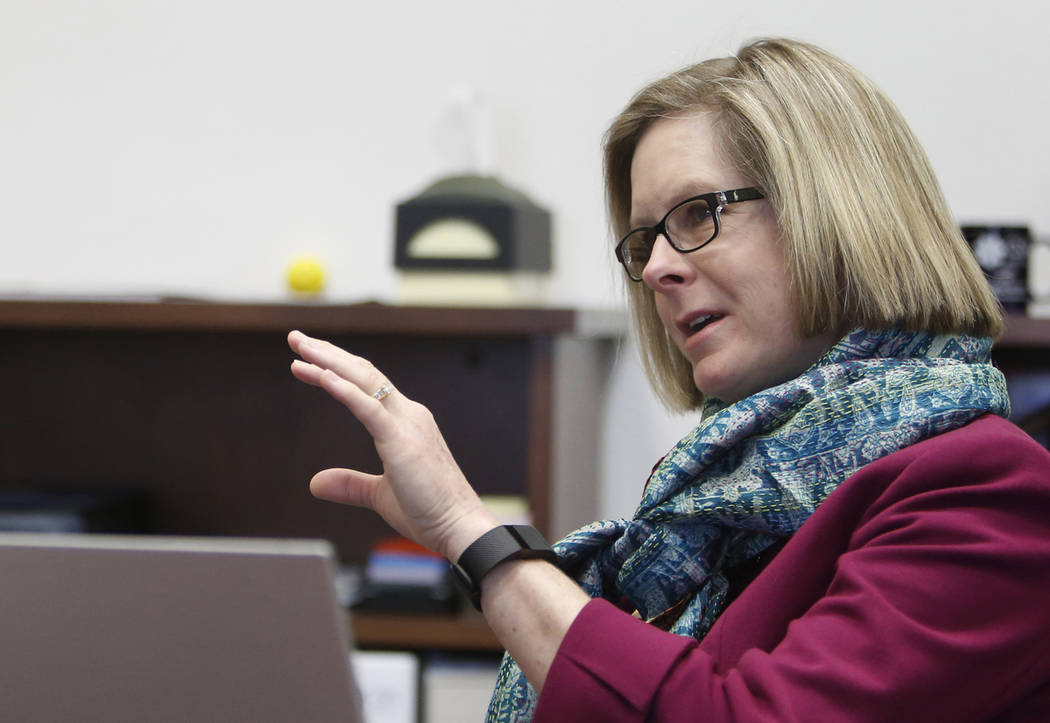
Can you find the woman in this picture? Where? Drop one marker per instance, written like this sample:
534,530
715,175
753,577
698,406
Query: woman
853,531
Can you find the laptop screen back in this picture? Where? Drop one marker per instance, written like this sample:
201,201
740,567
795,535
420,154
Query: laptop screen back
171,629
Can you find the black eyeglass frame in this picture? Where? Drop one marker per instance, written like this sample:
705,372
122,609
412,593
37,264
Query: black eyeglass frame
716,200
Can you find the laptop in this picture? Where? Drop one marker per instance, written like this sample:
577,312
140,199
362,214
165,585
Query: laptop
128,628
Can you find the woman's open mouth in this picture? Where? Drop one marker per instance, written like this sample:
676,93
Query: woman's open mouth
701,322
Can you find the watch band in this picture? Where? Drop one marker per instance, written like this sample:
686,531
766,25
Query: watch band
509,542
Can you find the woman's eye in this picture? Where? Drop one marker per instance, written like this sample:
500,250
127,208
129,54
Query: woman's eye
697,214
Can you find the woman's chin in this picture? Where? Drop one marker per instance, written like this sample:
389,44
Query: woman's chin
714,386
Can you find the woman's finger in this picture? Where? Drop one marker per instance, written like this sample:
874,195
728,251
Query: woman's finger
311,374
371,409
307,372
345,486
320,356
326,355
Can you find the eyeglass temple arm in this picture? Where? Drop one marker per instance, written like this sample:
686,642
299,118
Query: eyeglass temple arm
740,194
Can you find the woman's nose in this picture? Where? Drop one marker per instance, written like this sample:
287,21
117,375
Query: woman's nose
666,266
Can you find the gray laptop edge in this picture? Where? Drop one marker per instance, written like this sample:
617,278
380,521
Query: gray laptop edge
125,628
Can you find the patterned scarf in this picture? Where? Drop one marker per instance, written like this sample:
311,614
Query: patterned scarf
752,473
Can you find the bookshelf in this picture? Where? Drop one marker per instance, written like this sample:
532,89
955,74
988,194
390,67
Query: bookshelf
192,403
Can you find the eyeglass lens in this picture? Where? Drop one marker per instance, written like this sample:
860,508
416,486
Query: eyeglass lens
688,227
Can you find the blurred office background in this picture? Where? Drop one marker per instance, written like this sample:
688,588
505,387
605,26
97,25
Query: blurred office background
153,148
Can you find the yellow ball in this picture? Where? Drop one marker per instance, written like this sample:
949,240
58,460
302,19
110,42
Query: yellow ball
306,275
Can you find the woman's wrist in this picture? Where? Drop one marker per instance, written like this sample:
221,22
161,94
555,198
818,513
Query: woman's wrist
494,548
467,531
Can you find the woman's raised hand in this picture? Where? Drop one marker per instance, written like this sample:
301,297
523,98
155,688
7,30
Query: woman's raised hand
421,493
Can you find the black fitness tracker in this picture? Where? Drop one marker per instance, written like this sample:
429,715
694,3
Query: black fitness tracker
509,542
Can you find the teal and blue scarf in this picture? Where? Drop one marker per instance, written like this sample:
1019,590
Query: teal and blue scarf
751,473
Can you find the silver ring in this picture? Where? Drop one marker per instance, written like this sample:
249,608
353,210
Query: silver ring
383,392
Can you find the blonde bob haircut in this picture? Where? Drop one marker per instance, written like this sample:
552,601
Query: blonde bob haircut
867,233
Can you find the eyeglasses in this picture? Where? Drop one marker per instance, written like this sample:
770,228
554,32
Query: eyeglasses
690,225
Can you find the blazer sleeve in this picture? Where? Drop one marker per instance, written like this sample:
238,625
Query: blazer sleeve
939,609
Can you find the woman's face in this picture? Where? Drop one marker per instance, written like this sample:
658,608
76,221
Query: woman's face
739,280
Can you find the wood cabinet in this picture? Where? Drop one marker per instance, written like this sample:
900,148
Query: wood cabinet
193,404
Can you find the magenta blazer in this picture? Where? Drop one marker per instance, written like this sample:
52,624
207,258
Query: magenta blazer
918,591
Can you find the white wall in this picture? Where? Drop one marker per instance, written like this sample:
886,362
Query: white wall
192,148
